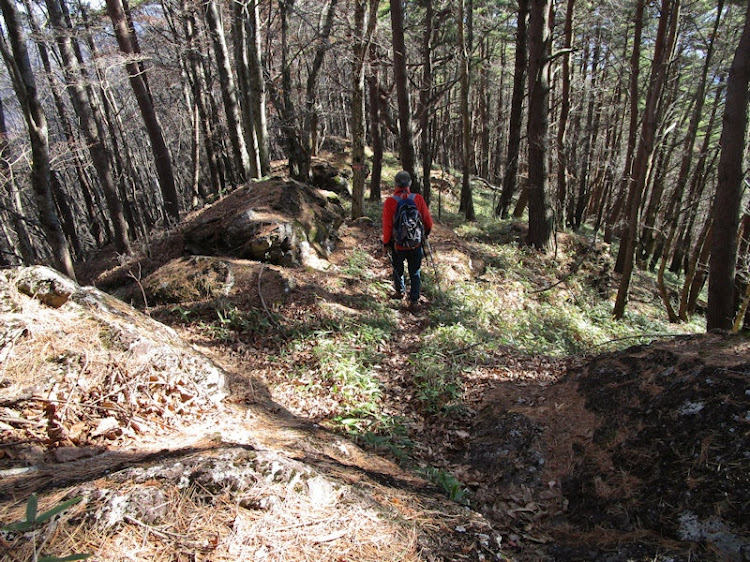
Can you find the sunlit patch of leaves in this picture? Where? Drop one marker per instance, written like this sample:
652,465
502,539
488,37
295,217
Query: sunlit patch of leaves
521,303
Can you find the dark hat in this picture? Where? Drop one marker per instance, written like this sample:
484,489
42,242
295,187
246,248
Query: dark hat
403,179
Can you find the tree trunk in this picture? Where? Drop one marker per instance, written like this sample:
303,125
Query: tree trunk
64,207
15,204
375,124
541,220
244,82
401,78
84,182
19,67
510,179
562,127
665,41
689,140
635,65
162,159
721,294
229,93
485,99
26,248
699,254
741,279
589,141
425,101
299,167
258,87
312,117
364,27
197,80
467,200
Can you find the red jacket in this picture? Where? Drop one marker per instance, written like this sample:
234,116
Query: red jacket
389,213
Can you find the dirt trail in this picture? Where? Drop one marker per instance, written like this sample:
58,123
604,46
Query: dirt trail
556,454
570,457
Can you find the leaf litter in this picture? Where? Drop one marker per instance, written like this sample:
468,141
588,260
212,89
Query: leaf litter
633,455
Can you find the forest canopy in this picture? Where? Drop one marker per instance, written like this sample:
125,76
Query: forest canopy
621,120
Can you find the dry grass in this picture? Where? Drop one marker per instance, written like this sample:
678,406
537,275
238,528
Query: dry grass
306,518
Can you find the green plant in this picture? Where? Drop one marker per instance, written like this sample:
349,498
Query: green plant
356,264
437,379
218,331
447,482
182,312
377,431
34,523
231,318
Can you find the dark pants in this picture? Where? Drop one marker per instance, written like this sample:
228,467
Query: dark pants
414,261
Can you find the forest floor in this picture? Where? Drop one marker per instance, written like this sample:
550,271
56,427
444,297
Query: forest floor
487,425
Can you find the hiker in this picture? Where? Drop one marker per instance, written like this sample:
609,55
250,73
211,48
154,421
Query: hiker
403,238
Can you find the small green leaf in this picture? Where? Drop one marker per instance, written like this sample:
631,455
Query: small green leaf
19,526
57,509
31,507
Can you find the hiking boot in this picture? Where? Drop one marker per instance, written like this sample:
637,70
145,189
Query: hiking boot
397,295
414,306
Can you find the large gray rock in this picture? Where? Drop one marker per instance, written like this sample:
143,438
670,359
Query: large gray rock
267,221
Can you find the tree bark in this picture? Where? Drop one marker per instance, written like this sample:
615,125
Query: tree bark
245,87
84,182
162,158
373,80
541,220
15,204
425,101
364,27
562,127
635,65
258,86
685,221
406,130
721,294
589,141
229,93
197,80
510,179
299,159
467,200
312,117
699,254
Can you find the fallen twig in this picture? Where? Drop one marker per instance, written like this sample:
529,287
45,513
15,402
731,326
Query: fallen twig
140,286
639,336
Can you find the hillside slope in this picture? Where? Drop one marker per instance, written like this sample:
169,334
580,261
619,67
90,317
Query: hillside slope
353,429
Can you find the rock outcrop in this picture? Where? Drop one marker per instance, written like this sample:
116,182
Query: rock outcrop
269,221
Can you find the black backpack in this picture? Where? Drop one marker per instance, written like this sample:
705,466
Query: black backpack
408,230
